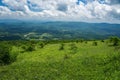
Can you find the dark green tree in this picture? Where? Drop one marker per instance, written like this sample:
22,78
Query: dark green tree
102,41
42,45
82,40
5,54
61,47
95,43
86,42
115,41
30,48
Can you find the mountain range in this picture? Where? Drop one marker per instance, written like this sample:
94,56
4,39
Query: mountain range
57,30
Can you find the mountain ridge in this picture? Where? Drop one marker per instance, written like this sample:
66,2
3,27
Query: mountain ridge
59,30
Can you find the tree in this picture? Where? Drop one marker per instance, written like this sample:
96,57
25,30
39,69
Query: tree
81,40
73,48
86,42
114,41
42,45
30,48
61,47
102,41
95,43
4,54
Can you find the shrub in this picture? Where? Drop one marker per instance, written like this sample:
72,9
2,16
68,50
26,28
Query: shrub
86,42
95,43
5,54
73,48
117,47
77,41
13,57
111,63
61,47
23,47
42,45
114,41
102,41
81,40
66,56
30,48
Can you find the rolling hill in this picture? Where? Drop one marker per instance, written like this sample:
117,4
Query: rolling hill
15,30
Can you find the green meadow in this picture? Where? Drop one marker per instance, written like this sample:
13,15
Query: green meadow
81,60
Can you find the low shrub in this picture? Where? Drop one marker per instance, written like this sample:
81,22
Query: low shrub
86,42
5,57
30,48
102,41
42,45
95,43
115,41
61,47
73,48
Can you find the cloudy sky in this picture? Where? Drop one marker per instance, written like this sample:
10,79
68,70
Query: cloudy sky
62,10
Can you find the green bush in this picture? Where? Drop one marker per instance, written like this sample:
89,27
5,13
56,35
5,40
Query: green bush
5,54
66,56
61,47
95,43
13,57
42,45
115,41
73,48
86,42
30,48
77,41
117,48
102,41
81,40
23,47
111,64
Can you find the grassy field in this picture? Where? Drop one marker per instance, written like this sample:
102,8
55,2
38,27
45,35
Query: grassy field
82,62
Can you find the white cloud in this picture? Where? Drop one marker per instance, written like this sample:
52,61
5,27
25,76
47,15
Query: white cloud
62,10
112,1
15,5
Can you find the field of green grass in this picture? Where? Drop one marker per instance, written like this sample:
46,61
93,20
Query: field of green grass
84,61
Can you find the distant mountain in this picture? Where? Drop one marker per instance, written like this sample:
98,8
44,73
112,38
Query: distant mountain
9,20
57,30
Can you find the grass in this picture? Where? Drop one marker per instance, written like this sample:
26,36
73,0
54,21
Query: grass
90,62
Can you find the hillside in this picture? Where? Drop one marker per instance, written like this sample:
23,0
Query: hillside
81,60
17,30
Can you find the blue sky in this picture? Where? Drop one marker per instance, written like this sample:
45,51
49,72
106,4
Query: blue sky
62,10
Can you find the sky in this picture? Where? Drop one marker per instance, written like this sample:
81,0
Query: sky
107,11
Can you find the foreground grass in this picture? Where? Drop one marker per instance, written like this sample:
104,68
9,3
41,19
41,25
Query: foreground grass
88,62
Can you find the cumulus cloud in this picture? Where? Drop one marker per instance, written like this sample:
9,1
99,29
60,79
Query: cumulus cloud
112,1
15,5
76,10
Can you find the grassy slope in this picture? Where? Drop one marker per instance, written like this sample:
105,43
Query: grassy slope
89,63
